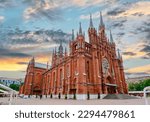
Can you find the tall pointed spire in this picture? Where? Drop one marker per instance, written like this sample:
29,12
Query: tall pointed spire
91,21
101,20
47,65
55,51
53,55
32,60
119,56
72,34
61,48
80,29
111,38
65,51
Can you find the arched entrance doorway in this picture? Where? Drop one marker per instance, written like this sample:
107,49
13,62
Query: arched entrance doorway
111,87
36,90
73,88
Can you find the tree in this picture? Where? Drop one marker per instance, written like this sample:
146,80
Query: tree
15,87
139,86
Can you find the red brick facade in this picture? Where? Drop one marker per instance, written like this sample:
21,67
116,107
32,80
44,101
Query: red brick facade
89,70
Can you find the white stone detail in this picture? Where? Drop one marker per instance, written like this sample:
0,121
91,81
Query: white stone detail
62,96
70,96
93,96
55,96
81,96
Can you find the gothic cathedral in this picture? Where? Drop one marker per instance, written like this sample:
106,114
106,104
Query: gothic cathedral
88,71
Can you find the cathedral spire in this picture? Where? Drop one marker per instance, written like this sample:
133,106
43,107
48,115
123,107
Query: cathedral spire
119,56
101,20
111,38
60,48
33,60
91,21
65,51
47,65
72,34
77,34
80,29
55,51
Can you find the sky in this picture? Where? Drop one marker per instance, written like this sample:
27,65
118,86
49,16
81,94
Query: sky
35,27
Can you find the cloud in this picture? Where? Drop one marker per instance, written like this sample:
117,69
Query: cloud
115,12
43,8
137,73
129,53
118,23
139,69
12,74
4,2
133,50
144,29
120,34
139,8
146,48
22,63
87,3
27,43
9,53
147,56
2,18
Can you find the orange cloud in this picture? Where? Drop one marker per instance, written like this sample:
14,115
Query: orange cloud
145,68
137,50
12,64
142,7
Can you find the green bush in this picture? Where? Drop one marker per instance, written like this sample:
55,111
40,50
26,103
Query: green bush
15,87
139,86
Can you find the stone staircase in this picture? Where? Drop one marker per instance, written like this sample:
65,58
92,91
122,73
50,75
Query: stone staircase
119,96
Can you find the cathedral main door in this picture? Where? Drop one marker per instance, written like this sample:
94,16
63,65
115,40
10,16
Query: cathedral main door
111,87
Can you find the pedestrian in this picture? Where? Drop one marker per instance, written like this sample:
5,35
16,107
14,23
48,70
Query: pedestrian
40,96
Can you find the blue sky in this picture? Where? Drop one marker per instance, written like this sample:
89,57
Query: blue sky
34,27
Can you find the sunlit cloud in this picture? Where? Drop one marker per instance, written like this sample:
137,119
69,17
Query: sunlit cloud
140,8
145,68
133,48
42,8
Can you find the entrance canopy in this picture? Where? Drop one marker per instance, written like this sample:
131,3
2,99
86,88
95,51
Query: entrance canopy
109,84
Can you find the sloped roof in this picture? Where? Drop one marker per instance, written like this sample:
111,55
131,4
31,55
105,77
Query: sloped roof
40,65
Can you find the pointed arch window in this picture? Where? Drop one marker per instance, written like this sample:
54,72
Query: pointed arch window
68,71
88,69
61,77
54,79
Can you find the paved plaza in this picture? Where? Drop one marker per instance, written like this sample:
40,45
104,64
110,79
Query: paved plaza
48,101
